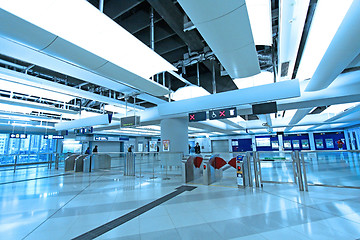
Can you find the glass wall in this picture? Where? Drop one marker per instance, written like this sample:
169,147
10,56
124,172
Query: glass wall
25,150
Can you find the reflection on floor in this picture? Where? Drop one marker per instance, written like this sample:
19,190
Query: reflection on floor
64,207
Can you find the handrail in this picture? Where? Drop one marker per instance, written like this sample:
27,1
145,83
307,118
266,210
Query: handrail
314,151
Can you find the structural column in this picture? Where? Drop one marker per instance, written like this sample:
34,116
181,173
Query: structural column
281,142
312,141
176,131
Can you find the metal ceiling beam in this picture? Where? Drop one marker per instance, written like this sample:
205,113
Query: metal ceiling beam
115,8
173,16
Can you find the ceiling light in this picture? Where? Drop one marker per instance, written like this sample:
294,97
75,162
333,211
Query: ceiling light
259,12
256,80
327,19
291,24
338,108
189,92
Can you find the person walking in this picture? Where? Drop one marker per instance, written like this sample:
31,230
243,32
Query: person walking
197,148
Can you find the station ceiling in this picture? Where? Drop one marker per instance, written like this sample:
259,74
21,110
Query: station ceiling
214,46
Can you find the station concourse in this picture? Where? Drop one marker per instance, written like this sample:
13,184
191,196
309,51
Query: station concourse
163,119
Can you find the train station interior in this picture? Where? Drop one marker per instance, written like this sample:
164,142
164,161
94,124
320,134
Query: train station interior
179,119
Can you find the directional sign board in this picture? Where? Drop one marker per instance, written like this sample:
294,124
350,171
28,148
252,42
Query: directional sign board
18,135
53,136
197,116
222,113
131,121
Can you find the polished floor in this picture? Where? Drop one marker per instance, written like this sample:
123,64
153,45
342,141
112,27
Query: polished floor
55,206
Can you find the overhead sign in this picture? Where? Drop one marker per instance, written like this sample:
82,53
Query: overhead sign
53,137
197,116
264,108
123,138
87,130
18,135
131,121
222,113
101,138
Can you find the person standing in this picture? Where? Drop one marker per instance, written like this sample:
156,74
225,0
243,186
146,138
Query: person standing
197,148
340,144
95,150
87,151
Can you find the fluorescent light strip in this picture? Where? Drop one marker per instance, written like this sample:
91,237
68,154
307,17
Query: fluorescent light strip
291,24
327,19
189,92
256,80
259,12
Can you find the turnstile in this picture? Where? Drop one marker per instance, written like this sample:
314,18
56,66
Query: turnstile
192,168
70,162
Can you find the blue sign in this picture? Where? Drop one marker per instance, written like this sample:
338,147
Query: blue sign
53,137
101,138
239,158
18,135
123,139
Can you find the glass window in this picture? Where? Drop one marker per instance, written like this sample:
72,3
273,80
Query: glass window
34,143
25,145
3,143
14,145
44,144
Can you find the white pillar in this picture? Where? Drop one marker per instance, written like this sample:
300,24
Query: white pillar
281,142
312,141
347,140
176,131
253,142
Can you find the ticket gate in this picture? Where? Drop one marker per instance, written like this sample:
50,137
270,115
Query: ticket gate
191,168
243,171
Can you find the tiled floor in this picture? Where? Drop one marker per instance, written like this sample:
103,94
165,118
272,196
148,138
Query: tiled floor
66,206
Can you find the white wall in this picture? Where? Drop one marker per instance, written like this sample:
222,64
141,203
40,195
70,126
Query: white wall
107,146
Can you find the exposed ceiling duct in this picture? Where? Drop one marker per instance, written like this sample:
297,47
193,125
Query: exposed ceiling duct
92,43
233,44
344,47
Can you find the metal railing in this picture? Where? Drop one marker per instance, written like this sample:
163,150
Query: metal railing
331,168
139,164
14,161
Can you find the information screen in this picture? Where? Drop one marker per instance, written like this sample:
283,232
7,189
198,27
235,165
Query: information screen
329,143
305,143
319,143
296,144
275,144
287,144
262,142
